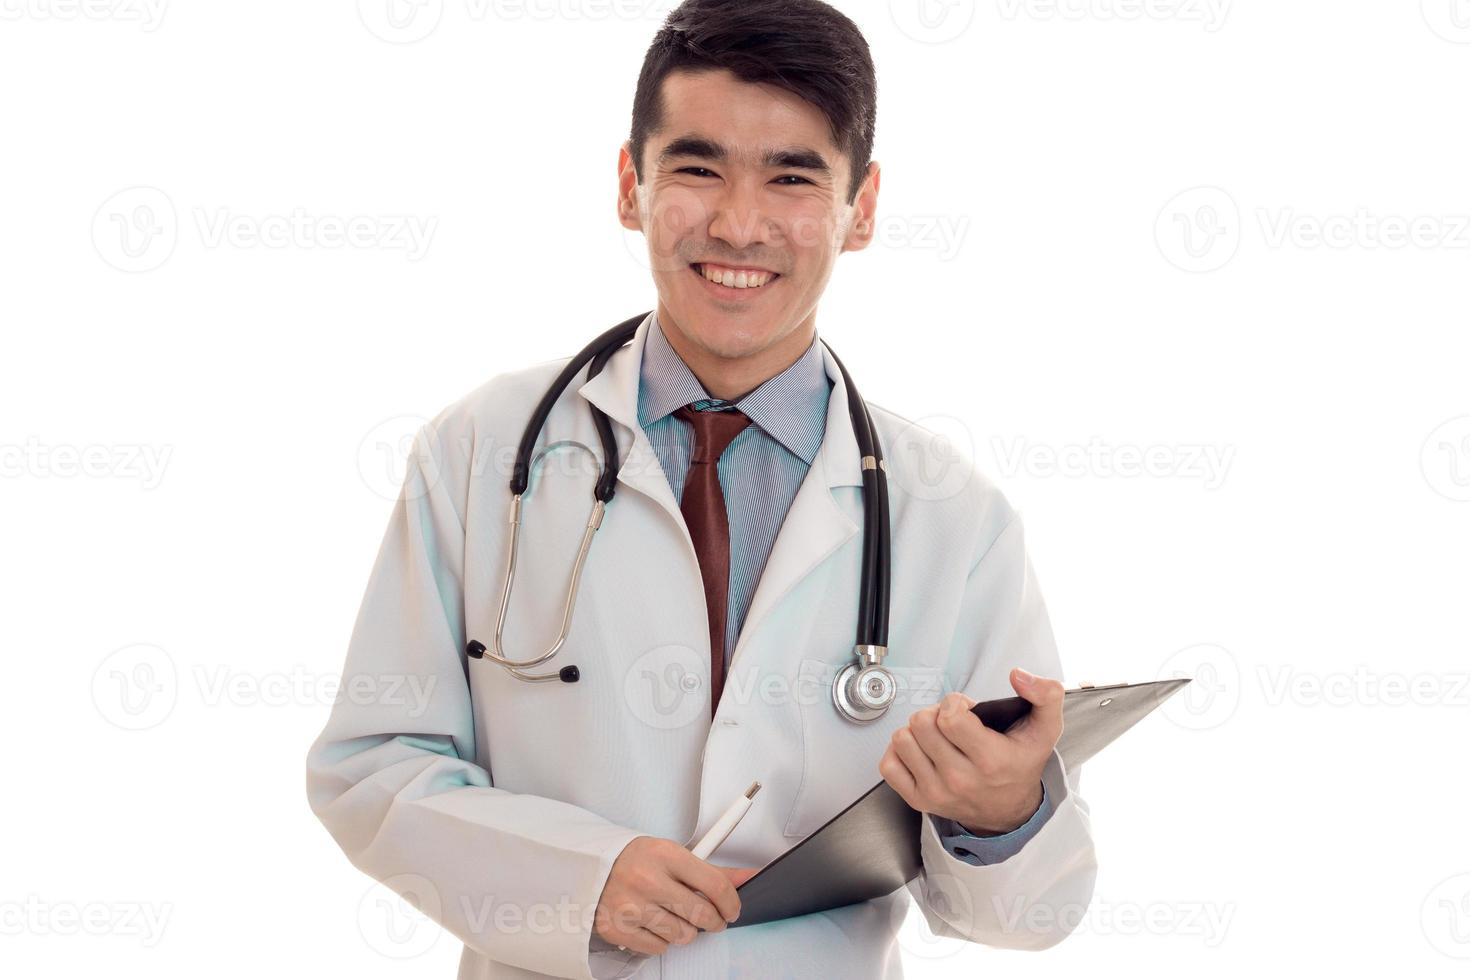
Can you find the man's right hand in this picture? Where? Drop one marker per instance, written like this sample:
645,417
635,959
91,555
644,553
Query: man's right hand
659,893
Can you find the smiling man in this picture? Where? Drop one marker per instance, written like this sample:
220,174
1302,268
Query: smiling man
548,825
746,197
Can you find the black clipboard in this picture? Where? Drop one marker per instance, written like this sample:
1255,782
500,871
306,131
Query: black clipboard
871,848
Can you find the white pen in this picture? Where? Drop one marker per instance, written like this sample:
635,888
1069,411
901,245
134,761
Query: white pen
725,824
722,828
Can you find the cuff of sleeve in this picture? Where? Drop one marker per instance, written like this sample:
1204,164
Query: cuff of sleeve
976,850
607,962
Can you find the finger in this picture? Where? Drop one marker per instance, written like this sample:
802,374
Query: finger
668,926
936,744
1046,695
692,907
912,756
739,876
623,924
897,775
963,729
706,878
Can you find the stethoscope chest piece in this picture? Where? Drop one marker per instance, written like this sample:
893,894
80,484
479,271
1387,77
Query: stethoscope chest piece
863,690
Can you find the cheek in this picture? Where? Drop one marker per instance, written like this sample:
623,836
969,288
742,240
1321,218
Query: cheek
809,230
676,213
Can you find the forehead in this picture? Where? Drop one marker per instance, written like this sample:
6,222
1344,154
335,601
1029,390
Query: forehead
749,118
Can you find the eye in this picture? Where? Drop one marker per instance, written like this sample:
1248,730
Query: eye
702,172
792,177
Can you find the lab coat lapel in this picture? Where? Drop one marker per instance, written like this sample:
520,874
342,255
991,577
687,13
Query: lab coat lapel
615,391
816,525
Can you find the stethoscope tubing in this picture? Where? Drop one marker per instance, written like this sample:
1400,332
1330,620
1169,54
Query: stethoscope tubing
875,580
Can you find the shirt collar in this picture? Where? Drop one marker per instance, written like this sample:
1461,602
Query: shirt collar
791,406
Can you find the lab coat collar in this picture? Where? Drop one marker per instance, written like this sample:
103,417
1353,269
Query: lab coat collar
790,406
615,391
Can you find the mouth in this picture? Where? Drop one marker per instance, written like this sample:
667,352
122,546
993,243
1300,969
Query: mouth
733,281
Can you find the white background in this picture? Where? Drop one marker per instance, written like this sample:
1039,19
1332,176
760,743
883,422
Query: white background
1185,231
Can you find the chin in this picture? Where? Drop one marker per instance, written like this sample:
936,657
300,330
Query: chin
731,337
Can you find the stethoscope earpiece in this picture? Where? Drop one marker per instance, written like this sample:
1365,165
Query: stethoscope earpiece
569,674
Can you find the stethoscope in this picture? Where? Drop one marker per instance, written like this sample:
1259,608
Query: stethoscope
863,689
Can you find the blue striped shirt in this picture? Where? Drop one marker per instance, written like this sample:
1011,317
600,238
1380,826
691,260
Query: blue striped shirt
762,467
760,472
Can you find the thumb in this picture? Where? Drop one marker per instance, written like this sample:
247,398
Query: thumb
739,876
1046,695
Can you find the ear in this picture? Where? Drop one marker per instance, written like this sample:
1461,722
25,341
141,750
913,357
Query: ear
628,190
865,210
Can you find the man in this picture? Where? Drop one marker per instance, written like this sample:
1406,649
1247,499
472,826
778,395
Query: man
545,825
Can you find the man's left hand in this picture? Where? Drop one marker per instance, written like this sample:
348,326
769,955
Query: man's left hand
946,762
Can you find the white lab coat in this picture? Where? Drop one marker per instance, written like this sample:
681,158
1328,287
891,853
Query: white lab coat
498,806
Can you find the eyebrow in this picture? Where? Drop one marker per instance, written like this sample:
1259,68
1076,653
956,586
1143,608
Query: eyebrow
704,148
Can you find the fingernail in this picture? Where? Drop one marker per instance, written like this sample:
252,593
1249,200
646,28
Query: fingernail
1025,676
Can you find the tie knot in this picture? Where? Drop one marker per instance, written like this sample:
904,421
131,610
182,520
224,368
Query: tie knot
713,430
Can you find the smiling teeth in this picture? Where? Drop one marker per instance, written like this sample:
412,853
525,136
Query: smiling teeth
734,279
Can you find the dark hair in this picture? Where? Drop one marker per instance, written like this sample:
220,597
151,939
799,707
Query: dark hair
803,46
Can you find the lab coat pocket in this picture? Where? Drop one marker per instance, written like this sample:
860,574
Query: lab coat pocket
840,757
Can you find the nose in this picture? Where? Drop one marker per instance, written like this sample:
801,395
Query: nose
738,219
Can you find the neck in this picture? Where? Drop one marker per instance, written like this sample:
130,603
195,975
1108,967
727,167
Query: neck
731,378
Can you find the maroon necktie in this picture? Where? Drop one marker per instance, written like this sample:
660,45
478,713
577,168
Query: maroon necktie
703,506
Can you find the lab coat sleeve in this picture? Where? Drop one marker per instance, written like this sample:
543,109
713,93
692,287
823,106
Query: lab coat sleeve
1035,897
394,779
